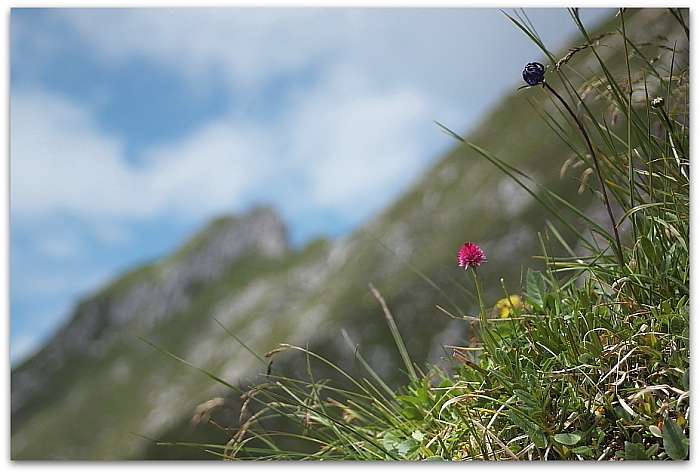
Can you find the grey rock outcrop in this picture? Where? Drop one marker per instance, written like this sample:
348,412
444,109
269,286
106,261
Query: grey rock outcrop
147,297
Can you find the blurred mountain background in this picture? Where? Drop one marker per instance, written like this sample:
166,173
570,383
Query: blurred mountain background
97,391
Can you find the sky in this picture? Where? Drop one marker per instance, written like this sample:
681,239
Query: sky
132,128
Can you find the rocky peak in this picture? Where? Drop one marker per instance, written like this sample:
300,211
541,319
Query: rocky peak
205,257
214,248
144,298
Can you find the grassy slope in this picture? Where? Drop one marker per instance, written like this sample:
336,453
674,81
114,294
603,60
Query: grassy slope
462,197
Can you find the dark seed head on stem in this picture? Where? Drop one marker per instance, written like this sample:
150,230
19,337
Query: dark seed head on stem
533,73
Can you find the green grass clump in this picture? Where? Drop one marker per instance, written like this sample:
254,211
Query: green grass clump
591,360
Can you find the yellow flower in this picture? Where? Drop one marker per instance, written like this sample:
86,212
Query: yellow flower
504,308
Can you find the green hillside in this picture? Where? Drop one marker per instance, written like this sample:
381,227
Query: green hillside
100,390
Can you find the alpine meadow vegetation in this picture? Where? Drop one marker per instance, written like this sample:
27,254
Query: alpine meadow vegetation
589,359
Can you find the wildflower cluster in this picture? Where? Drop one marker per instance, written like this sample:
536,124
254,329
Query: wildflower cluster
470,255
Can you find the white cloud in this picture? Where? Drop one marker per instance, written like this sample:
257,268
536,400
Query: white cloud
356,142
247,46
350,144
211,170
59,159
62,162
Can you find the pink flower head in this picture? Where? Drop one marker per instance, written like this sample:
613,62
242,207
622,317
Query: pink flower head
470,255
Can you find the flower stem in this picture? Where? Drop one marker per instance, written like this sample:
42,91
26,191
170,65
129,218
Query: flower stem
618,247
482,312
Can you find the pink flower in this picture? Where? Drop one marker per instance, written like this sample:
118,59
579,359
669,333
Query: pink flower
470,255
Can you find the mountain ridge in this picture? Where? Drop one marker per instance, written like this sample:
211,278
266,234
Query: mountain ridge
150,293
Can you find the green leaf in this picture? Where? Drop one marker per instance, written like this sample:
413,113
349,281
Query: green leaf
568,439
534,291
583,451
622,414
550,301
503,378
635,452
412,413
636,438
651,450
647,247
529,400
675,442
531,429
407,446
409,398
390,441
449,132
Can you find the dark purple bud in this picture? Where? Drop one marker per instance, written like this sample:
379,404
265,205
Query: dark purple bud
533,74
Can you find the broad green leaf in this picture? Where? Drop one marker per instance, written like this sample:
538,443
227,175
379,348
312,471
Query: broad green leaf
412,413
531,429
635,452
529,400
391,441
675,442
583,451
534,288
637,438
407,446
651,450
568,439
